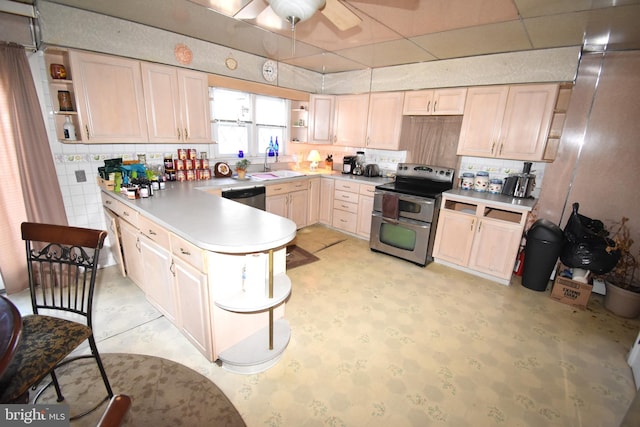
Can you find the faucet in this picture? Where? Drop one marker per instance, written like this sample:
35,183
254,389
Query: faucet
266,163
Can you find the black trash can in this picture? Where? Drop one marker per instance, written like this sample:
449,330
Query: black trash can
544,244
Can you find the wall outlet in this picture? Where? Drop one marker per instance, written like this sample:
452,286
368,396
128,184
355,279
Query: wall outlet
81,176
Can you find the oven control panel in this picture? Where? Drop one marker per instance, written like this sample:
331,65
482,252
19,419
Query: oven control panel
416,170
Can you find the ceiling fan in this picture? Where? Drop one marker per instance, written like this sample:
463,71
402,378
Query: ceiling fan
294,11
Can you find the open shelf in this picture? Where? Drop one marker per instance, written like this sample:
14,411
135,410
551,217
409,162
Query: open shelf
242,302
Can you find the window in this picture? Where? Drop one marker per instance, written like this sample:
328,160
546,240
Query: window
247,122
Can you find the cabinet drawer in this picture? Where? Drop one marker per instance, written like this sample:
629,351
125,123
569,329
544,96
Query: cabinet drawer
345,206
346,196
188,252
343,220
351,187
153,231
299,185
281,188
367,190
123,211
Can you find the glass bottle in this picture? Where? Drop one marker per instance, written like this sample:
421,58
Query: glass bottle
69,129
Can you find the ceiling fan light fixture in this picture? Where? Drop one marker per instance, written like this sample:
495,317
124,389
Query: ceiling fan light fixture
295,11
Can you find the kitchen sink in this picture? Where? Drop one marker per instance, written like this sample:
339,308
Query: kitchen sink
279,174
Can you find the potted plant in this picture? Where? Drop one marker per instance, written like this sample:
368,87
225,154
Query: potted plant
622,284
241,167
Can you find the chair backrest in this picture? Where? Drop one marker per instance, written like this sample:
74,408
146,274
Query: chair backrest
62,263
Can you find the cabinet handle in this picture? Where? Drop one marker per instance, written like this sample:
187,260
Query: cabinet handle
435,106
172,268
186,134
153,233
184,252
179,134
479,226
473,223
138,244
492,147
428,105
500,152
125,213
86,127
108,202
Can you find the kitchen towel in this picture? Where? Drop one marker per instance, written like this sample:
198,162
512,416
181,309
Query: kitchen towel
390,208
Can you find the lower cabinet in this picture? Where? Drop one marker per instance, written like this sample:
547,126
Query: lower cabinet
130,242
352,207
290,200
481,238
325,210
365,207
313,209
159,283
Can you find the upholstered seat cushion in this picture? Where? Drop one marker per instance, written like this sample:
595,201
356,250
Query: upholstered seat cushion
45,342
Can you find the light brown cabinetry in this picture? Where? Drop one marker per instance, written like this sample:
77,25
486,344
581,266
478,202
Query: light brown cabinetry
480,237
442,102
299,122
176,102
510,122
365,207
290,200
345,206
325,211
321,110
384,120
350,120
313,209
109,97
61,56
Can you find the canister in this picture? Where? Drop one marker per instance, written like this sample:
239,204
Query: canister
64,99
481,181
467,181
495,186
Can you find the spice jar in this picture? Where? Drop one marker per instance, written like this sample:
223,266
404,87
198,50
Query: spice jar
467,181
481,182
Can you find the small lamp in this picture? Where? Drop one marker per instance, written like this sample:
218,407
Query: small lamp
314,158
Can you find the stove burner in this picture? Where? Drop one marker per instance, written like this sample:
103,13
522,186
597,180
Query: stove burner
420,180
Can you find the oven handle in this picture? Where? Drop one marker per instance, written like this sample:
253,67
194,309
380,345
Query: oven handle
390,220
409,222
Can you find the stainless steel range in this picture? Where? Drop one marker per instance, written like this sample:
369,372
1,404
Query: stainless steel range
405,212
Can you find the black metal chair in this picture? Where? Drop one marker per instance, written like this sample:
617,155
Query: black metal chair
62,264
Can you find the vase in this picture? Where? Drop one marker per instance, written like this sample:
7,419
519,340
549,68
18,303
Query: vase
622,302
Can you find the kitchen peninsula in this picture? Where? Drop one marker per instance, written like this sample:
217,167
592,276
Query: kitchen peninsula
215,268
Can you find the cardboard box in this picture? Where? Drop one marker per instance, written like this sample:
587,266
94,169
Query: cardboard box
569,291
108,185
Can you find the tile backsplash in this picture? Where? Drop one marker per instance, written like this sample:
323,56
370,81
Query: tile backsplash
500,169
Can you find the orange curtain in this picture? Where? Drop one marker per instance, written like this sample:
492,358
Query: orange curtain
30,189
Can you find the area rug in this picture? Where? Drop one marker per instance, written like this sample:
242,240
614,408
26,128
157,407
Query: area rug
296,257
163,393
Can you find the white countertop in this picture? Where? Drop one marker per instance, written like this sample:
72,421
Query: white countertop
213,223
509,202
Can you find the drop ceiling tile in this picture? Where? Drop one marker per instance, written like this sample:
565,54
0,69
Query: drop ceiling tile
412,18
504,37
533,8
616,28
325,63
387,53
567,29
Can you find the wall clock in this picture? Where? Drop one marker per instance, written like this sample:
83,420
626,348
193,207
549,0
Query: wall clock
270,71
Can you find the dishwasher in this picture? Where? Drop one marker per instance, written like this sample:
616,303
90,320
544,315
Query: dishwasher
251,196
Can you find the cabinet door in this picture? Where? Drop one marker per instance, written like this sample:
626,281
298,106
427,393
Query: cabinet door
449,102
131,251
159,285
298,209
527,121
350,120
194,103
495,247
384,121
365,207
162,102
114,239
326,200
277,204
313,207
321,119
110,98
418,103
454,237
193,305
482,120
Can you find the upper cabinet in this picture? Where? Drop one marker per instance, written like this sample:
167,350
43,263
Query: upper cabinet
109,98
321,109
441,102
509,122
384,121
350,120
177,104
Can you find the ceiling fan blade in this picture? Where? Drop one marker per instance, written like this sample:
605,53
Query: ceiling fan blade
251,10
340,15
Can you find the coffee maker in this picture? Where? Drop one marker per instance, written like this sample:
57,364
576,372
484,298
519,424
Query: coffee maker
349,164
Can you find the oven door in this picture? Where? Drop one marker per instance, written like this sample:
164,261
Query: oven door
404,238
409,207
